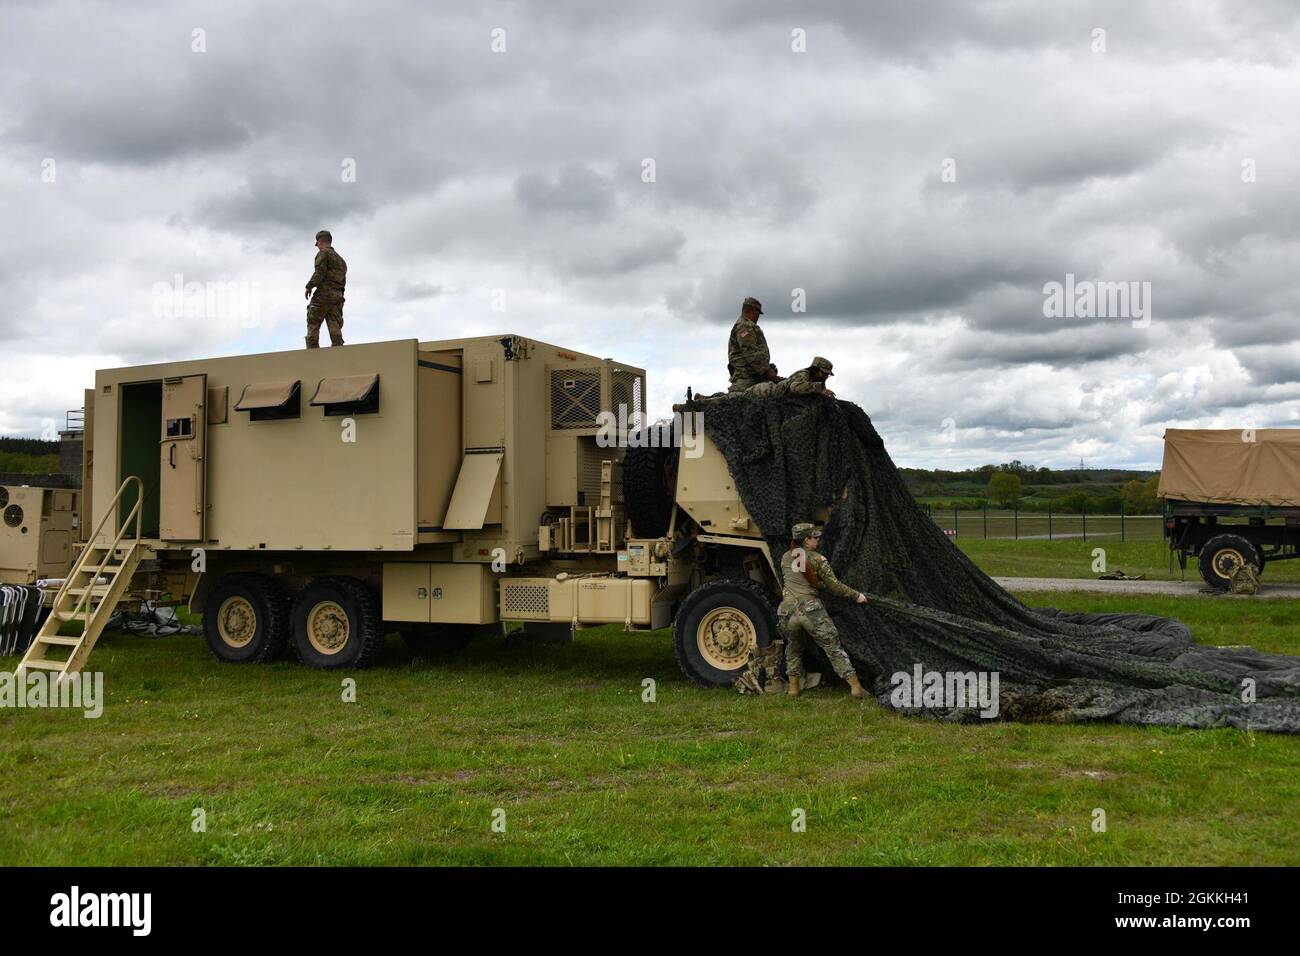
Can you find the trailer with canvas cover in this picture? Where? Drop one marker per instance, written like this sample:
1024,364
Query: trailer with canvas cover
323,498
1232,497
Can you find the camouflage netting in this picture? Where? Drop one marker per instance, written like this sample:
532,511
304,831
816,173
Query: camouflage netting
791,456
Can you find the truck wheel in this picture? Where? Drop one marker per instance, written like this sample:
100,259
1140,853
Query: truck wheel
1222,555
650,483
439,638
717,625
245,618
337,623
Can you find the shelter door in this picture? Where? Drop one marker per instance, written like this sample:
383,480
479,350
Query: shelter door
184,458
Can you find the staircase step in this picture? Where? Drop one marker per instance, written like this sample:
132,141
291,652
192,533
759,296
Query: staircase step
40,664
96,590
57,639
72,615
102,572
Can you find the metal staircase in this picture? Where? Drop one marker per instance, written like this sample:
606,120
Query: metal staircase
90,593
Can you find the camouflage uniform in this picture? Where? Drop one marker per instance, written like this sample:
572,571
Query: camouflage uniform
801,611
800,383
326,304
1244,580
748,359
753,680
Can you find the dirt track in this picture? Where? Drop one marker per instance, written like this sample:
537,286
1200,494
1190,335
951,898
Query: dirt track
1176,588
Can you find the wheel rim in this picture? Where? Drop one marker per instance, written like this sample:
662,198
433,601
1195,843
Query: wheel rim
327,627
725,637
1226,561
236,621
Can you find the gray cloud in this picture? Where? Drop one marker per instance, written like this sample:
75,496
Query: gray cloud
774,171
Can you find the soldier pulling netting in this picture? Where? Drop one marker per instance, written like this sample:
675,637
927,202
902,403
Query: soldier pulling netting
932,607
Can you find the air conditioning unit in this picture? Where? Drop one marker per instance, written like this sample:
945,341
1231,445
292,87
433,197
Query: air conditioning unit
578,394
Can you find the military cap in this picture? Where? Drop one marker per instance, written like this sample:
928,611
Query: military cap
325,234
752,303
805,529
821,364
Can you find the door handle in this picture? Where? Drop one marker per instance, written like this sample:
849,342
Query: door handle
422,593
171,454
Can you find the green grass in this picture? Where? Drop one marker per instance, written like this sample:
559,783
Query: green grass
559,737
1073,558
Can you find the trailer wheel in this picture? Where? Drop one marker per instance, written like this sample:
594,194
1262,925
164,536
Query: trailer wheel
439,638
650,483
1222,555
245,618
337,623
717,626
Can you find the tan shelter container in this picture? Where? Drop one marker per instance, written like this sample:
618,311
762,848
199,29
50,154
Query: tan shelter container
38,527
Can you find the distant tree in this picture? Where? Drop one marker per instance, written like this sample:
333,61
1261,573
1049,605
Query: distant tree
1004,487
1140,496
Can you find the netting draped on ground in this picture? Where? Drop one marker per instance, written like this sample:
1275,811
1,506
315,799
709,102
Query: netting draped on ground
792,456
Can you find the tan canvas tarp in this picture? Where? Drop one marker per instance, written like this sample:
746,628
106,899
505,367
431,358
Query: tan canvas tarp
1225,466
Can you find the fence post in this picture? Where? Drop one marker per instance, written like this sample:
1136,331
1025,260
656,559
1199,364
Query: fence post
1083,508
1049,519
1015,517
1121,520
986,521
954,522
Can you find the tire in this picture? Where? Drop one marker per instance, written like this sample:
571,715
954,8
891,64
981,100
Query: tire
650,483
1222,555
426,639
246,619
337,623
706,644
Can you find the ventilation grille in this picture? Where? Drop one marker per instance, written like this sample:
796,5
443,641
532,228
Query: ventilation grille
575,397
525,600
627,390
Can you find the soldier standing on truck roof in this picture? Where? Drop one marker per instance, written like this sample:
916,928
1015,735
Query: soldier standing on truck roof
805,573
806,381
748,360
328,280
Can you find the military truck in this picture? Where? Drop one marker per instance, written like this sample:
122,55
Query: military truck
1232,497
323,498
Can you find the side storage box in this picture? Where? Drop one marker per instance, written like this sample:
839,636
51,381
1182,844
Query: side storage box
586,600
439,593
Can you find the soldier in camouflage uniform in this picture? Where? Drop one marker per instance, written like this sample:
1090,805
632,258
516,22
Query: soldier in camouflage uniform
748,360
326,305
806,381
804,574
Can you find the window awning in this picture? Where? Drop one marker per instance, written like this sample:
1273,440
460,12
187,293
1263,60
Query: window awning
346,390
468,507
265,395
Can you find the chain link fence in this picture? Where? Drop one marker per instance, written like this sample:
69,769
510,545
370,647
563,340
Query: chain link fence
997,523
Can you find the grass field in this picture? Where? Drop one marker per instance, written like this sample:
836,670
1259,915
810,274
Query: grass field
587,772
1073,558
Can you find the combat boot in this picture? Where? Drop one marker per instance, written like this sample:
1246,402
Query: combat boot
792,686
855,686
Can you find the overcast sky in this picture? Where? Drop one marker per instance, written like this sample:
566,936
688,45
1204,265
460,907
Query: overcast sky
920,169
